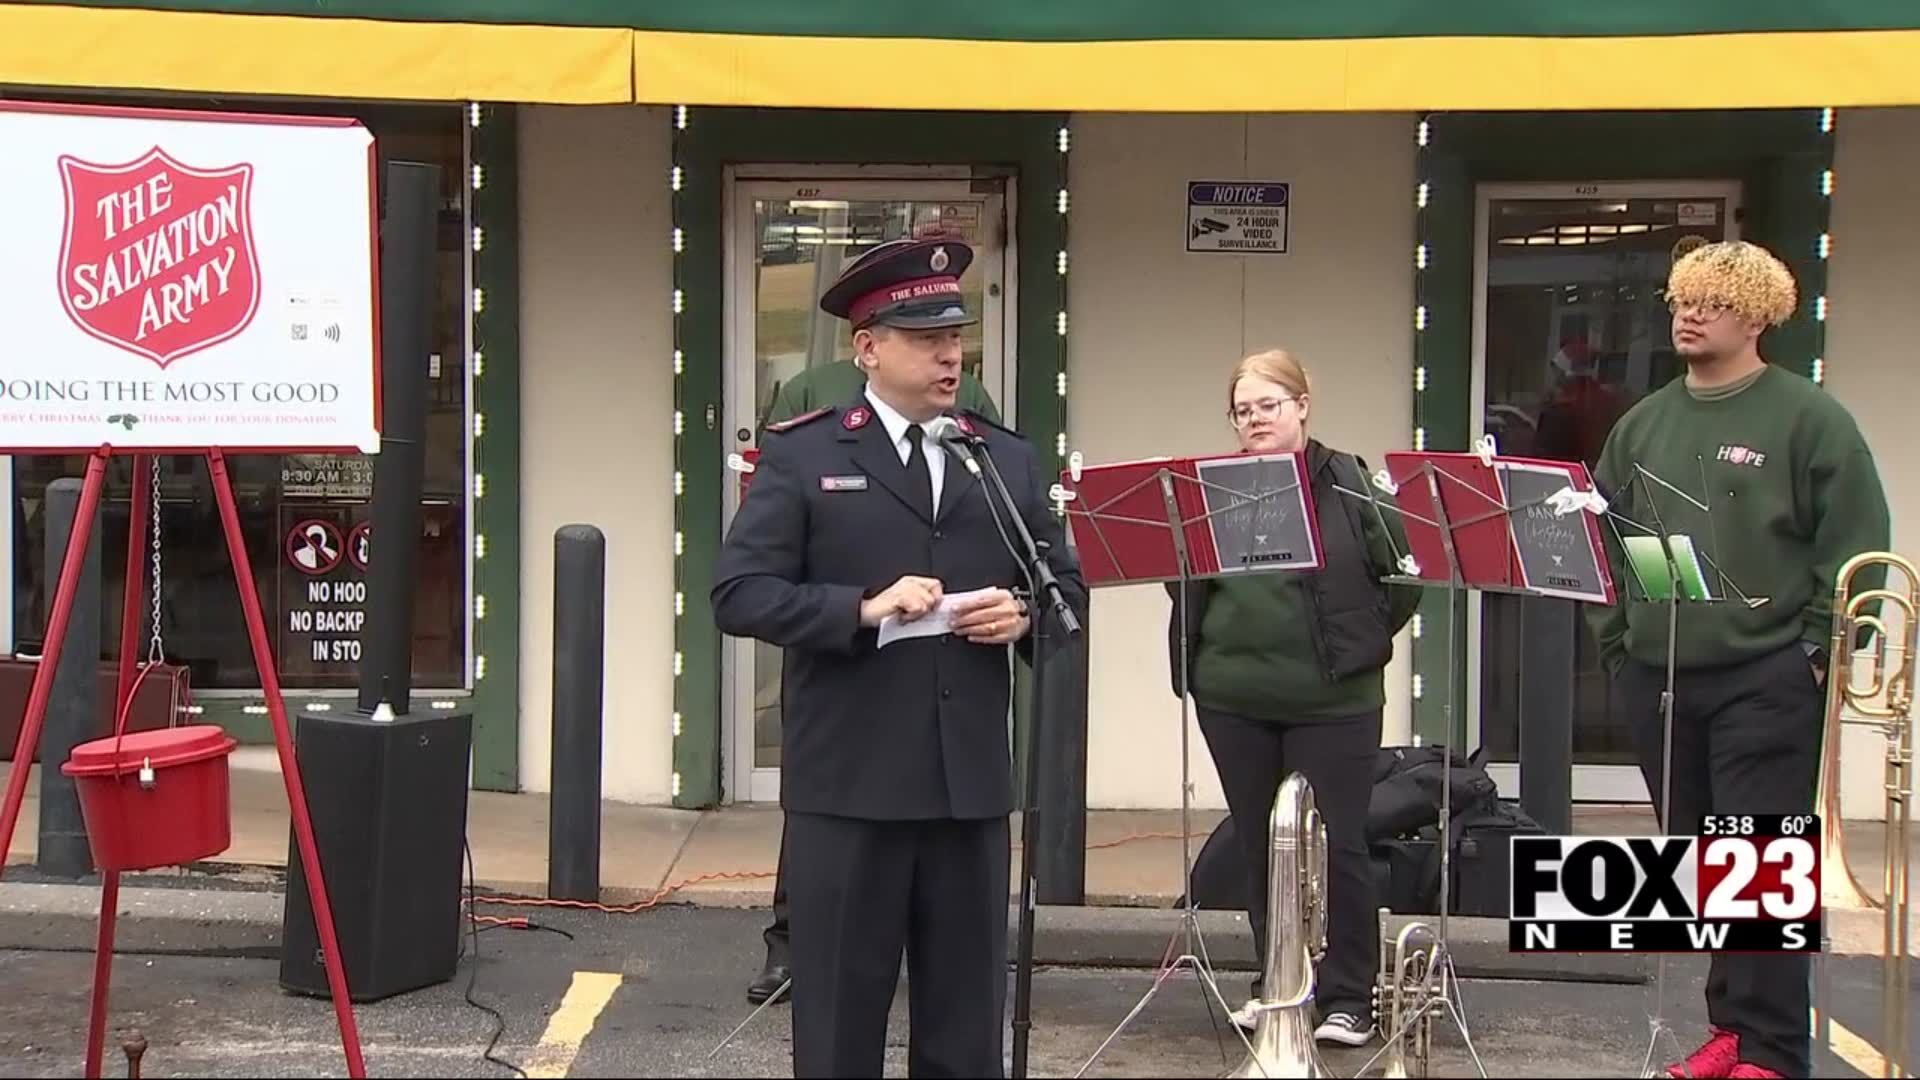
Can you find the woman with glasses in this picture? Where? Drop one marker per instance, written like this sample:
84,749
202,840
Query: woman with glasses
1288,676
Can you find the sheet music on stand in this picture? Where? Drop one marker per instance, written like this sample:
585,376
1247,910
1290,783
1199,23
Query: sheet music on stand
1670,567
1476,520
1181,519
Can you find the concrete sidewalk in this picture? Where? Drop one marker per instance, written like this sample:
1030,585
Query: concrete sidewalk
722,857
718,858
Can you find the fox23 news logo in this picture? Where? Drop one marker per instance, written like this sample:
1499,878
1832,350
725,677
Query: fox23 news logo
1747,883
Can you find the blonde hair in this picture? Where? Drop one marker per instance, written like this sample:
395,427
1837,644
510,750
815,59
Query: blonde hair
1274,365
1747,278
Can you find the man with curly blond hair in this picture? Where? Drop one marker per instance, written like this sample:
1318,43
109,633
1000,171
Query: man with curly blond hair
1777,489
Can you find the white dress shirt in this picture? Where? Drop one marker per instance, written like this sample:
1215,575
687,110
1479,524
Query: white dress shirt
896,426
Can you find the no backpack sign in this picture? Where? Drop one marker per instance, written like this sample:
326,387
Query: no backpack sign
176,281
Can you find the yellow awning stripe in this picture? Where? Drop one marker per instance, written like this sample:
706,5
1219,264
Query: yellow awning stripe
50,45
131,48
1701,72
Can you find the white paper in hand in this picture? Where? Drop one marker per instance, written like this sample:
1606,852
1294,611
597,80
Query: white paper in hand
933,623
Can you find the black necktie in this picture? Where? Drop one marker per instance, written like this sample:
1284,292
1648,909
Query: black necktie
919,476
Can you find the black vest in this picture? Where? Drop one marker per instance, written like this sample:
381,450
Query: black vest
1345,599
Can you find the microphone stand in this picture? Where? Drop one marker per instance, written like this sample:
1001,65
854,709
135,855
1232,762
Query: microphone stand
1040,575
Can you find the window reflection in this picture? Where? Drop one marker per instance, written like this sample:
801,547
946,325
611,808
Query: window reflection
1576,331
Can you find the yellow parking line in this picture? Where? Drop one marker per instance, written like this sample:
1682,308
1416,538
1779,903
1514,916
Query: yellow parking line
571,1022
1853,1049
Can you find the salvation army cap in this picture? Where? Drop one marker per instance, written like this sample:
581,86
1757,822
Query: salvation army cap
911,284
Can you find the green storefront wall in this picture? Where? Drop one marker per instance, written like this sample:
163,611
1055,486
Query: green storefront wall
1781,157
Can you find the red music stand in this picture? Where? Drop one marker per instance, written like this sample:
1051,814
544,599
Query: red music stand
1161,520
1460,522
36,131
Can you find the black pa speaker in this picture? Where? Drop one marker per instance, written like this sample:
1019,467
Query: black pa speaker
388,801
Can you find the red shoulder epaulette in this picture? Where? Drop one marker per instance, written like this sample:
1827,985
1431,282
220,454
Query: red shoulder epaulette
976,414
795,421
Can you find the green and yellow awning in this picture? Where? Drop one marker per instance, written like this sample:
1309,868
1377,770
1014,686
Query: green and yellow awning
1121,55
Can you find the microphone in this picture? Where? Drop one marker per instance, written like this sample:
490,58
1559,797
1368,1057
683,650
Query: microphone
949,433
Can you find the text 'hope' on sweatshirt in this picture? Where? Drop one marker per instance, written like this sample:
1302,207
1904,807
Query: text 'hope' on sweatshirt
1791,492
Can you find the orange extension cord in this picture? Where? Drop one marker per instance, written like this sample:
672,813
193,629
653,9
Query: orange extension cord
521,922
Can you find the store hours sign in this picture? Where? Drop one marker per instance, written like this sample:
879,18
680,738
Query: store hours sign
1237,217
178,281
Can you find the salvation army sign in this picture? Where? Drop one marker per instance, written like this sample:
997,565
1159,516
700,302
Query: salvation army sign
179,281
159,291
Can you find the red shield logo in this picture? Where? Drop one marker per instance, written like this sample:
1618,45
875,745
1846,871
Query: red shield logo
157,257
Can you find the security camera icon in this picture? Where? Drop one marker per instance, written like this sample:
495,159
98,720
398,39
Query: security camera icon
1208,225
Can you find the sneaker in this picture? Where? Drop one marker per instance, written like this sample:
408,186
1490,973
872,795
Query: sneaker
1718,1058
1247,1017
1749,1071
1344,1027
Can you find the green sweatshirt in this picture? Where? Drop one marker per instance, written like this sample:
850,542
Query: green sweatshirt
840,382
1792,493
1256,654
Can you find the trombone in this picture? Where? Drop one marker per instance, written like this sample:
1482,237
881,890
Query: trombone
1885,702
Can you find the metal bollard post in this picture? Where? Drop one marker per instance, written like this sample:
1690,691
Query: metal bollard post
73,707
579,663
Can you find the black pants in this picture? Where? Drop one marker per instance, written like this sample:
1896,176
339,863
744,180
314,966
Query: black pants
1746,740
1253,758
779,945
862,892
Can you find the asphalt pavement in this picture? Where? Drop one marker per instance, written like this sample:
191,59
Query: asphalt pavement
654,993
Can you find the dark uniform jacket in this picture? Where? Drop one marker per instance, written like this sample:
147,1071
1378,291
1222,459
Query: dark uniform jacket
919,729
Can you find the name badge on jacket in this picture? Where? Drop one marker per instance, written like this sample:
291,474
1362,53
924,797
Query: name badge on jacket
843,483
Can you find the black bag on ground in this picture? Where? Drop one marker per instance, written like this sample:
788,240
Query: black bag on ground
1403,839
1406,790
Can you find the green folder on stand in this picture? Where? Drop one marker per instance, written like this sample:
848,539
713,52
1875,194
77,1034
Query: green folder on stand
1649,564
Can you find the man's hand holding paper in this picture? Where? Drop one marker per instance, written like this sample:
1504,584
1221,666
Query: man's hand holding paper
919,607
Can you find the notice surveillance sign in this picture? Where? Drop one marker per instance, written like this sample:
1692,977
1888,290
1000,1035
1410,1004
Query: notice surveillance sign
1237,217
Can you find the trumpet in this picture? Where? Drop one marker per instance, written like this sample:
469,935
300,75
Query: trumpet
1884,702
1283,1043
1408,982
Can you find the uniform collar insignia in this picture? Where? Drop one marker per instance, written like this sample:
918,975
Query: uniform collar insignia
857,418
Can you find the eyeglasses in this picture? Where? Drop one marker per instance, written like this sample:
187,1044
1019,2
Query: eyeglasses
1707,310
1267,408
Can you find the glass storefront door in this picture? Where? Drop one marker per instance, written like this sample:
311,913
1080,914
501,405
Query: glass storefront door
1571,329
787,239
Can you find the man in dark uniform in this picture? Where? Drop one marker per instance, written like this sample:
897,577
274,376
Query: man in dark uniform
828,384
896,774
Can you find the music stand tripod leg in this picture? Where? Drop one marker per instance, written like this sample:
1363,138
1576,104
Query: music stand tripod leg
1194,956
1656,1022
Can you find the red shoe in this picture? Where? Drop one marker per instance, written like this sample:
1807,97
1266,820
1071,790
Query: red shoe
1720,1057
1749,1071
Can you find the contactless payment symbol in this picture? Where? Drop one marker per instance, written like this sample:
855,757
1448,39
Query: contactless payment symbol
314,547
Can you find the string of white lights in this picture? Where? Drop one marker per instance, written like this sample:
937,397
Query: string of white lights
1819,367
677,182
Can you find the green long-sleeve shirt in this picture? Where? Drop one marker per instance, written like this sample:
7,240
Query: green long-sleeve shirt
1256,654
840,382
1792,493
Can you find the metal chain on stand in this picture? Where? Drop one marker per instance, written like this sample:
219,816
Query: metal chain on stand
154,653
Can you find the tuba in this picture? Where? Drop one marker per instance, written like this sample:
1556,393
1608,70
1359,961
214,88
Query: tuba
1408,982
1885,701
1283,1043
